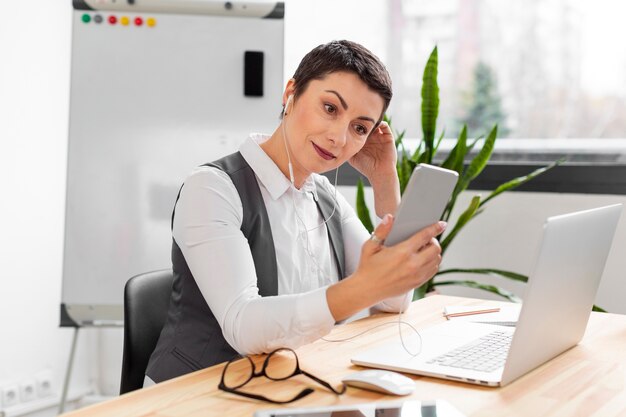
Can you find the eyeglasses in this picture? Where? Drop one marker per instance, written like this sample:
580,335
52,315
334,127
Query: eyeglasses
279,365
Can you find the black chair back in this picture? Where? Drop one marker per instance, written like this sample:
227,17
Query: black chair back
146,301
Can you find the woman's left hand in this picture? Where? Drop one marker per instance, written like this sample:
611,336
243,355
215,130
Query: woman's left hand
378,156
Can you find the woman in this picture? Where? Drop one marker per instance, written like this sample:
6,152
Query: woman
265,253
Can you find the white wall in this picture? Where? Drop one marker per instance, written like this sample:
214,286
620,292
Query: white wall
310,23
34,92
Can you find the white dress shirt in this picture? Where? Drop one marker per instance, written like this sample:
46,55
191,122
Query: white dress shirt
207,228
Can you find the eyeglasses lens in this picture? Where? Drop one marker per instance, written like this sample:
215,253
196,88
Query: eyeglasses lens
281,364
238,373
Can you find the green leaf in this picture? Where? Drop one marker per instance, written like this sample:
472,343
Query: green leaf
361,207
455,161
405,169
430,103
480,161
420,292
486,271
485,287
457,154
474,142
516,182
417,154
439,141
425,158
465,217
400,137
598,309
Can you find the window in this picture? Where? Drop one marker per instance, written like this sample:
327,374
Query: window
549,72
540,68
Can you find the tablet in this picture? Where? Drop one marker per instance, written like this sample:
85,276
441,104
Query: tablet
437,408
425,198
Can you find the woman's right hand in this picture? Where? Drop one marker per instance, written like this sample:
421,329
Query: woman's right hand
394,270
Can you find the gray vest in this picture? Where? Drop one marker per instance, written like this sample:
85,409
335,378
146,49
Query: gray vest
191,338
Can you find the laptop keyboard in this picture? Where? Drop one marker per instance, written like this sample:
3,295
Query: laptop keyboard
485,354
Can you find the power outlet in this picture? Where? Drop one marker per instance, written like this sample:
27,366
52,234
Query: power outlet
10,395
27,390
43,385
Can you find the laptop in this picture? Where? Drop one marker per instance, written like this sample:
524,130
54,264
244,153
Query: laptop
559,297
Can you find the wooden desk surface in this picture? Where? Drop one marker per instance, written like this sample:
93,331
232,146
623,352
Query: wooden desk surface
587,380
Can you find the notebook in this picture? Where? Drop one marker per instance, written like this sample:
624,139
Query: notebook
560,294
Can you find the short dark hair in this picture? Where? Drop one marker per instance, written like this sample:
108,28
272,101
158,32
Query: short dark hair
346,56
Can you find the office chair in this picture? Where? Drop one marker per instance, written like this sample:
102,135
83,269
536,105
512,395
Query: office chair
146,301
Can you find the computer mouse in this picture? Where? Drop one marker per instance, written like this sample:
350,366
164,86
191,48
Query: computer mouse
387,382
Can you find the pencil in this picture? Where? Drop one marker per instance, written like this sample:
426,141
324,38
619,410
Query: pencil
472,312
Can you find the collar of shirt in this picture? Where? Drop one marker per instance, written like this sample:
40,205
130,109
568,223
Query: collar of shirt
267,171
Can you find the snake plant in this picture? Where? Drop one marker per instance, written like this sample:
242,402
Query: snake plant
468,171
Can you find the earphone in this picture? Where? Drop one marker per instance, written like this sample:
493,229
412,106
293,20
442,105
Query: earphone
287,104
291,178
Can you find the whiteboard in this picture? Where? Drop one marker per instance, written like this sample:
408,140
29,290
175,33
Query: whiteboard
147,105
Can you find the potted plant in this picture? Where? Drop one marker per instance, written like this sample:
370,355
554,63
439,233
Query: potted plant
456,160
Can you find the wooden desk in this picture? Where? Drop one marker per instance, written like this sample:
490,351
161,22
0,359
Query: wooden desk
587,380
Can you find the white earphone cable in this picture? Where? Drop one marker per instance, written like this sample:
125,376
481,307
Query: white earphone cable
400,322
320,271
